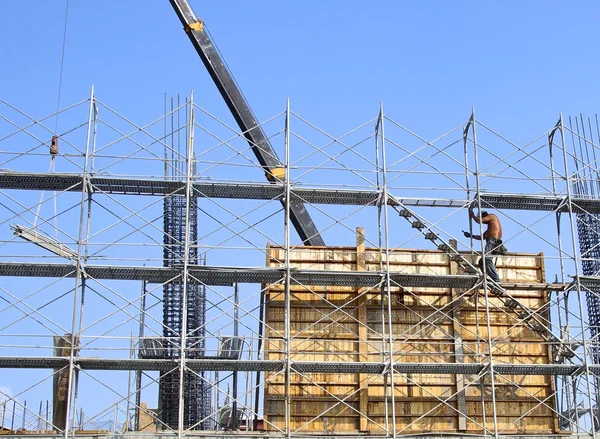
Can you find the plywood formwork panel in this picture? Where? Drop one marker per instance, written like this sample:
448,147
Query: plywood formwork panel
428,325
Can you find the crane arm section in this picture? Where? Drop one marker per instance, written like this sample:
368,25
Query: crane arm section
242,114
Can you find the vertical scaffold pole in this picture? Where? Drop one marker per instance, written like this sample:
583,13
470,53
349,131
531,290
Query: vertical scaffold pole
378,126
186,256
388,285
72,387
485,282
564,389
286,244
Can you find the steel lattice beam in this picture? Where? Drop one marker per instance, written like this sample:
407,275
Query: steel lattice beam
263,191
214,364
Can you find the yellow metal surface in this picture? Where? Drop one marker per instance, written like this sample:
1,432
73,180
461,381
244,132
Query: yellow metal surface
197,26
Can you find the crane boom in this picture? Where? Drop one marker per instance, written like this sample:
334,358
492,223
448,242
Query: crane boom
242,114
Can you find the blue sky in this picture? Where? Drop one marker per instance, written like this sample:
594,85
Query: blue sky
517,63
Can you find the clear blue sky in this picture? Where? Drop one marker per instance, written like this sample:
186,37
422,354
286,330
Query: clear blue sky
516,62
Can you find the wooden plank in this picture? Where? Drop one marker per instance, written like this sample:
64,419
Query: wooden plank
362,331
458,346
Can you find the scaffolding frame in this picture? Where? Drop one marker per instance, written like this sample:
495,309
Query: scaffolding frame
90,184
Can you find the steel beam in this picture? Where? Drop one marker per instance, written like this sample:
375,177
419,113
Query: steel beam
242,114
216,275
263,191
212,364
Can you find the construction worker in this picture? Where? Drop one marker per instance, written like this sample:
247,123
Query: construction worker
493,241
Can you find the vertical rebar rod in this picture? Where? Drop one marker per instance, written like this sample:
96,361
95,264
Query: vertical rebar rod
286,244
388,283
485,282
186,255
39,424
577,280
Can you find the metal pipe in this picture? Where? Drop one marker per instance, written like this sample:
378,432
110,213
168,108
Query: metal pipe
485,282
286,245
138,373
185,272
378,126
564,389
388,285
261,316
234,404
79,277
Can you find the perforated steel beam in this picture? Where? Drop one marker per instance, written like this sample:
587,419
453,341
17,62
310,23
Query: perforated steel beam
258,191
211,364
214,275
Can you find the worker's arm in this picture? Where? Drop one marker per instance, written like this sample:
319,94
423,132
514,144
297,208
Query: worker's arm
473,216
469,235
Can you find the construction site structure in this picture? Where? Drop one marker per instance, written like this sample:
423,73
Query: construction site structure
428,326
390,330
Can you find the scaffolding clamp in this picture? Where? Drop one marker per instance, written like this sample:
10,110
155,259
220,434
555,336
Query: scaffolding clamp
275,174
54,146
197,25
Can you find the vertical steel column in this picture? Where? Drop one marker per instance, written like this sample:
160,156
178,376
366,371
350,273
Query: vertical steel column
388,285
186,256
286,244
485,284
72,386
577,281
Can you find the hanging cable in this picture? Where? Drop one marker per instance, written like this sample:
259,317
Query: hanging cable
54,144
62,62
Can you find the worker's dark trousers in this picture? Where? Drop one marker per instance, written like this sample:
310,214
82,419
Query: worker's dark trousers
490,268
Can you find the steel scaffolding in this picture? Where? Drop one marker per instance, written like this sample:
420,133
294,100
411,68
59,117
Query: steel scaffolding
126,214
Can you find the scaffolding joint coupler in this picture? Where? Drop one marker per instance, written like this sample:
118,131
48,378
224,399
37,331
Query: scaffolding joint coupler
197,25
275,174
54,146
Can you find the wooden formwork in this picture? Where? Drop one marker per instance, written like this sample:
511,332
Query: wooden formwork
429,325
